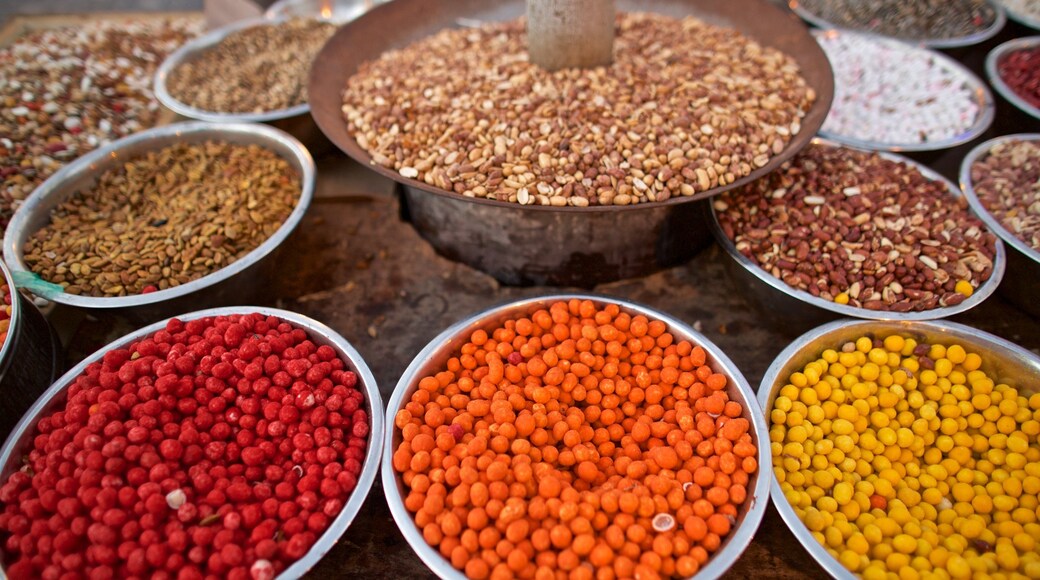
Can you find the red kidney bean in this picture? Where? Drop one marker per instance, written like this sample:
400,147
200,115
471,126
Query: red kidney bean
1020,71
129,480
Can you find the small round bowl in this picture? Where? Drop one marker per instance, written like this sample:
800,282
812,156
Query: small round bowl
774,295
999,20
30,358
1015,366
441,348
231,283
193,50
993,74
336,11
1023,259
1023,19
21,439
983,99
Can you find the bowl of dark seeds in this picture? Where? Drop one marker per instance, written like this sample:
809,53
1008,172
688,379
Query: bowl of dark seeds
252,71
148,221
1001,180
844,231
931,23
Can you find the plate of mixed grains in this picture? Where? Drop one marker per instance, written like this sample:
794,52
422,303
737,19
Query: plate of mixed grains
699,99
575,433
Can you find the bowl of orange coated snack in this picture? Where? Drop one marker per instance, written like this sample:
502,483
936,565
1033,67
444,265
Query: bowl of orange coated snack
575,433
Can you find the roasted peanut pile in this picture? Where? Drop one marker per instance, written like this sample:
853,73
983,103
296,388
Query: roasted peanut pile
165,219
255,70
68,90
1007,182
860,229
685,107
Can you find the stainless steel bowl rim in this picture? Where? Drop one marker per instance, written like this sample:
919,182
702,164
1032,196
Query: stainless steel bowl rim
262,134
787,513
201,44
368,386
993,61
976,204
274,11
981,293
16,315
983,97
719,562
999,20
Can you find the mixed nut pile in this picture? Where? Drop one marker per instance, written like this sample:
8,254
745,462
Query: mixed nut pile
164,219
858,228
259,69
1007,183
218,446
685,107
65,91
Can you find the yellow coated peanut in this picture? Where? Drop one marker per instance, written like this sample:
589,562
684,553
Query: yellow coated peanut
912,468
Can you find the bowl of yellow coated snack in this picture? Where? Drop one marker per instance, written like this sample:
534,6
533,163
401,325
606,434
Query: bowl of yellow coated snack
907,448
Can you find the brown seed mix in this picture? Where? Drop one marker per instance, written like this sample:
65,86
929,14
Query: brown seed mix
1007,182
684,108
839,222
65,91
164,219
255,70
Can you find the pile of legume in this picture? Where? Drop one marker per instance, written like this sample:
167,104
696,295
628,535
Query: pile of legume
164,219
908,459
684,108
1020,71
889,92
5,312
1007,182
860,229
68,90
218,447
255,70
579,439
907,19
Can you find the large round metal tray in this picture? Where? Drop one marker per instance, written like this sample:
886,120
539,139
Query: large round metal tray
544,244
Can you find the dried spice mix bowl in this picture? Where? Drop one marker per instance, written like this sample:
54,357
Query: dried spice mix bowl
18,454
561,464
805,362
294,119
31,355
1027,115
220,215
523,238
936,24
1023,259
800,244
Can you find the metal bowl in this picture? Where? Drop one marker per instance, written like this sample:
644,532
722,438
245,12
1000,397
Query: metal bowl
999,19
230,284
1023,19
1023,260
21,440
551,245
791,305
30,358
1013,364
337,11
441,348
983,98
993,74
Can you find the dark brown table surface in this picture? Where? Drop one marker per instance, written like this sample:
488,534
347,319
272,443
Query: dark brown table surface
357,266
